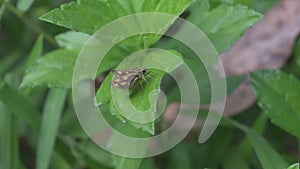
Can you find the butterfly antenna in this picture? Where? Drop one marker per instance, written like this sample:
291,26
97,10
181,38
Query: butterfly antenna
149,75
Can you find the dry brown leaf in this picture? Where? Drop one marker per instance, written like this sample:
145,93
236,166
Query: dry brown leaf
267,45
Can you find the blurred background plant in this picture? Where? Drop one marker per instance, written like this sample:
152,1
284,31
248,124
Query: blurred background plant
38,125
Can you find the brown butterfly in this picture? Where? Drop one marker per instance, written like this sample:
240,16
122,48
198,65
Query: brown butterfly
125,79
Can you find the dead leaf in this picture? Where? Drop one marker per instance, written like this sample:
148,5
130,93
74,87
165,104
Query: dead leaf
267,45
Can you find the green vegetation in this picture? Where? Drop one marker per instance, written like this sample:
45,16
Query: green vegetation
40,43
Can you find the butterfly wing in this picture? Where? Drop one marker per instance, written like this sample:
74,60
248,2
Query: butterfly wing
124,78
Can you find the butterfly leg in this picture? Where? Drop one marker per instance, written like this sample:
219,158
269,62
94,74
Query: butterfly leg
142,88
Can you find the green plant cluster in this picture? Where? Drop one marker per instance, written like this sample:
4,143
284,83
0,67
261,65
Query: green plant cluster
38,124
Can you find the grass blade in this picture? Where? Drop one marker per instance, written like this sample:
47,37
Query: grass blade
14,143
50,122
20,105
268,157
5,137
36,52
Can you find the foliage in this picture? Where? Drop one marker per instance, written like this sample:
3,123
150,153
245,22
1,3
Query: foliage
39,127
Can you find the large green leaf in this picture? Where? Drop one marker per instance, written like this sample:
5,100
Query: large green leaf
223,25
143,99
230,25
279,94
89,15
72,39
140,99
55,69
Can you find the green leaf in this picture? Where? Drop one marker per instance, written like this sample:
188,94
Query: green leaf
112,59
24,5
179,157
225,24
9,61
143,99
233,82
268,157
65,150
141,102
76,40
239,161
72,39
35,53
263,6
103,94
24,110
135,146
55,69
148,163
58,161
70,125
245,2
96,153
293,65
50,122
294,166
203,82
89,15
278,95
123,162
259,126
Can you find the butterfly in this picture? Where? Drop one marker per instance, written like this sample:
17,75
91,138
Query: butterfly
125,79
